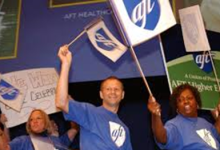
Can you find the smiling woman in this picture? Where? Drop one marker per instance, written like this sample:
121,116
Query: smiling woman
186,101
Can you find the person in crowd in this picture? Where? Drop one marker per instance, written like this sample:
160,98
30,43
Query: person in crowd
54,128
55,132
100,127
186,131
40,135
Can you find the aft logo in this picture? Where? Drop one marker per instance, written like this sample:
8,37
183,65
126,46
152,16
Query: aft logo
7,91
118,133
141,11
203,61
206,135
103,41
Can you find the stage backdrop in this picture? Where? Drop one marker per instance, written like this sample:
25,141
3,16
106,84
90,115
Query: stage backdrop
42,26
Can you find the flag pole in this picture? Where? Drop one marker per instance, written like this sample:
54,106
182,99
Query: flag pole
164,61
76,38
132,51
216,78
214,70
92,23
140,70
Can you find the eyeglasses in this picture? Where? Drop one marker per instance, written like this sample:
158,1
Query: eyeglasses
188,98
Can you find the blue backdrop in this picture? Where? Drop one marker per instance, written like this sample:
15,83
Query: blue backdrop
43,29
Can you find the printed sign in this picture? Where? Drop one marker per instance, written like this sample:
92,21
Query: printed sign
40,85
193,29
199,73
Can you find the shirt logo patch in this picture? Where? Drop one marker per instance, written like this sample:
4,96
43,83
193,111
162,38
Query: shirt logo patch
207,137
117,133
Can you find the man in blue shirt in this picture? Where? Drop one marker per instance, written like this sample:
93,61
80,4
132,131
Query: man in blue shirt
100,127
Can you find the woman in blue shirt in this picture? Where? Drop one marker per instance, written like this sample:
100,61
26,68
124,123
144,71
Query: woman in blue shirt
40,135
186,131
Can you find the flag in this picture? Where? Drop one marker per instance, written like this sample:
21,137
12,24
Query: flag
194,35
141,20
103,40
11,95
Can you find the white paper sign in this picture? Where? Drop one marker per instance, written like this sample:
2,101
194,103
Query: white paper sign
40,85
193,29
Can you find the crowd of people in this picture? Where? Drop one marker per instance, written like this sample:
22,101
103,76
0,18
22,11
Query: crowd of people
101,128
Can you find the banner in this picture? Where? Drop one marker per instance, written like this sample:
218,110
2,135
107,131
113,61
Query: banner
141,20
196,69
194,34
103,40
40,85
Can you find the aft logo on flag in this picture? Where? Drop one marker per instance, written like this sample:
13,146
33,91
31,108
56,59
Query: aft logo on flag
142,20
105,42
145,13
7,91
11,95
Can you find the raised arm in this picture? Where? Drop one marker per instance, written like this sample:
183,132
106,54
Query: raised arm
157,124
62,86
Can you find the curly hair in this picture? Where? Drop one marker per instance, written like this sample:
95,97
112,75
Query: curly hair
178,90
48,126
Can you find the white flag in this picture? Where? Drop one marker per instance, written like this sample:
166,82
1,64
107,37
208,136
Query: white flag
142,20
193,30
103,40
11,95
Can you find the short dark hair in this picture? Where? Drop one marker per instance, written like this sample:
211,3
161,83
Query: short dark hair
179,89
111,78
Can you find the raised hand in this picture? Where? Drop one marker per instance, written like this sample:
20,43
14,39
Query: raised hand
65,55
153,106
